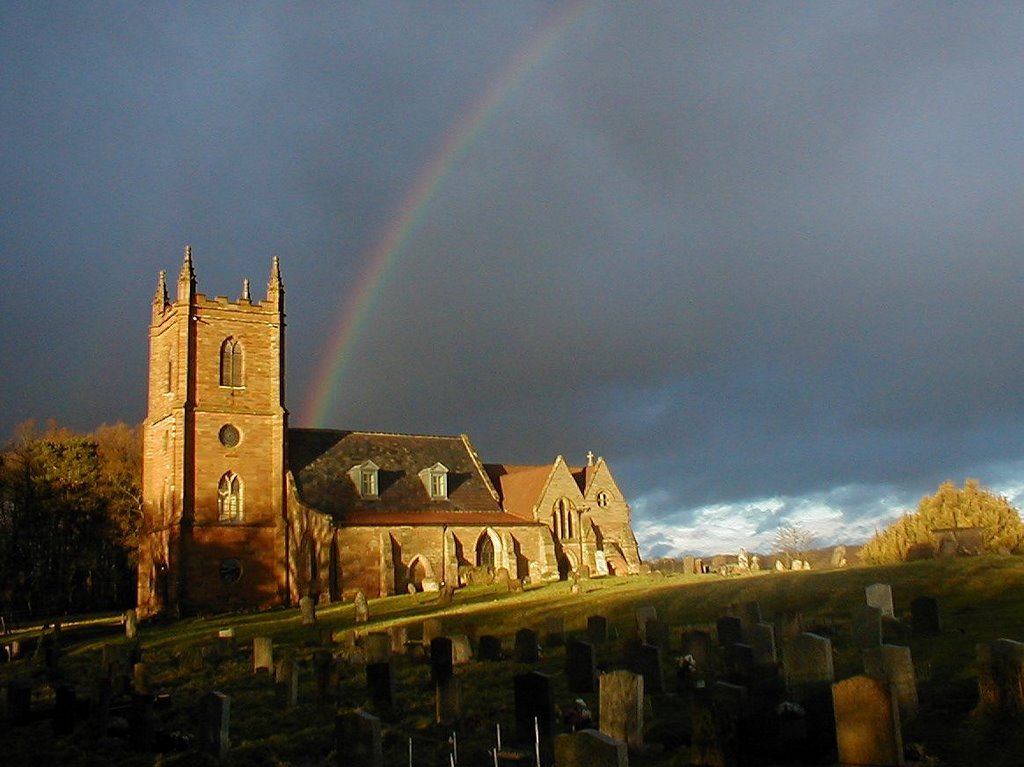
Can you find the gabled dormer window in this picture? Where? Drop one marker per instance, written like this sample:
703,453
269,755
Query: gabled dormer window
364,477
435,480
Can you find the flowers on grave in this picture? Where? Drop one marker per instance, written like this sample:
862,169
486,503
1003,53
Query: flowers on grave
790,710
578,717
686,664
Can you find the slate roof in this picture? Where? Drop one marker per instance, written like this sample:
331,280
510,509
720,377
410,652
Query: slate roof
320,461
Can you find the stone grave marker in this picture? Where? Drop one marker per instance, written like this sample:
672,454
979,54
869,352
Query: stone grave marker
621,707
554,631
324,675
788,625
698,645
597,629
441,658
590,748
866,627
502,580
448,700
380,684
399,636
489,648
140,678
644,614
226,642
807,660
659,635
749,614
688,565
894,665
263,654
377,647
738,659
432,628
526,649
357,739
462,649
307,609
761,637
362,608
1001,677
534,699
579,666
286,683
867,722
880,595
214,729
924,615
729,629
131,624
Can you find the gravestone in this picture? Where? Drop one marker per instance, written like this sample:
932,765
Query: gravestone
441,659
263,654
838,558
590,748
1001,678
140,679
807,661
621,707
286,683
761,637
377,647
526,649
489,648
788,625
448,700
307,609
731,712
697,644
399,636
644,614
729,629
214,729
462,650
226,642
738,659
579,666
698,566
357,740
502,580
688,565
131,624
646,660
554,631
380,684
894,664
362,608
924,615
597,629
432,628
658,634
866,627
880,595
324,676
534,700
867,722
749,614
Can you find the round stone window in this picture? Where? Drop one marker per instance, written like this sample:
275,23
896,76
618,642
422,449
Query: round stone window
229,435
231,570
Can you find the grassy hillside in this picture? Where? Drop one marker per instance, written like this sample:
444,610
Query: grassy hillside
980,600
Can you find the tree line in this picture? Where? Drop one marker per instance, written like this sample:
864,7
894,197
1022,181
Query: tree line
70,514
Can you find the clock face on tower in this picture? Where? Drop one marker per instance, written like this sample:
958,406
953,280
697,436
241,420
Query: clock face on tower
228,435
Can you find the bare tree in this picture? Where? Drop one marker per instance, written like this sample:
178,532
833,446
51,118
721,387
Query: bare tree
793,541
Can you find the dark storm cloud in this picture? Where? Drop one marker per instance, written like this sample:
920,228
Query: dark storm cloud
765,258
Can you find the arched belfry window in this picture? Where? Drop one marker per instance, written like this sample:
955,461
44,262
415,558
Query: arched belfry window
231,363
562,519
229,498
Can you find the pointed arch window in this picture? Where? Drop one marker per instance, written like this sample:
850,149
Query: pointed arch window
231,363
485,551
562,519
229,498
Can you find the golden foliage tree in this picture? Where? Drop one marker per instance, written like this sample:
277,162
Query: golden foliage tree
950,507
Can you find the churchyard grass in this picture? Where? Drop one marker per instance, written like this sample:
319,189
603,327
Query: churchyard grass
981,599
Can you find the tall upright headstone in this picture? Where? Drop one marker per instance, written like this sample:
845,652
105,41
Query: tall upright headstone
867,722
894,665
597,629
621,707
924,615
590,748
1001,677
263,654
579,666
526,648
357,739
214,737
866,626
730,630
534,706
362,608
880,595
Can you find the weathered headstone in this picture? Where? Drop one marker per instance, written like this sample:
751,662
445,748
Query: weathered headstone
880,595
462,650
924,614
761,637
214,729
597,629
554,631
579,666
448,700
659,635
502,580
286,683
526,648
489,648
534,700
788,625
432,628
263,654
307,609
399,636
688,565
644,614
807,660
362,608
131,624
894,665
140,678
838,558
380,684
357,740
441,658
866,627
324,675
1001,678
730,630
749,614
590,748
621,702
377,647
739,663
867,722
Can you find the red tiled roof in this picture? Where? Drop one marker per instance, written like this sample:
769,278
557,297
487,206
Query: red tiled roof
520,487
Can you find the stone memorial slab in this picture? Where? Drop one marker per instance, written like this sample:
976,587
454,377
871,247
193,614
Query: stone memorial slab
658,634
399,636
867,722
590,748
432,628
924,615
688,565
362,607
377,647
1001,678
441,658
534,700
894,664
761,637
357,740
462,649
866,626
131,624
214,737
880,595
580,666
597,629
307,609
380,684
807,659
698,645
729,629
526,648
489,648
621,707
324,674
642,615
448,700
286,683
263,654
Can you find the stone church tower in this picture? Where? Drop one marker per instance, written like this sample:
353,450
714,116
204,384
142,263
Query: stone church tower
214,484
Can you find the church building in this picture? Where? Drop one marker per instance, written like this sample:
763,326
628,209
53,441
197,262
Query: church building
241,511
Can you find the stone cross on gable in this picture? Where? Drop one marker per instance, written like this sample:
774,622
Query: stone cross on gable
590,458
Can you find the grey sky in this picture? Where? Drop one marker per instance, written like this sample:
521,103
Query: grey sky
766,258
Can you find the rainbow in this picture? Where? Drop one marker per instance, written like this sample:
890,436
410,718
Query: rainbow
383,256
